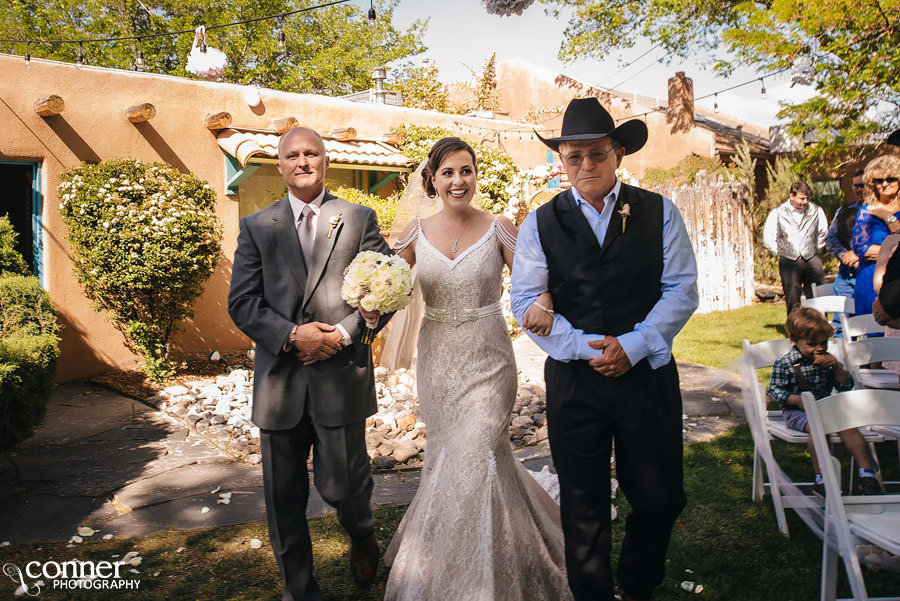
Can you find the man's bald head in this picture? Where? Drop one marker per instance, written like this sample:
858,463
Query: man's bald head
302,162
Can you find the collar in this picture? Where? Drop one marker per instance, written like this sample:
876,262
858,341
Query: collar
796,357
613,194
297,204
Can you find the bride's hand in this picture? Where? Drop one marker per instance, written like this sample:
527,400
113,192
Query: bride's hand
370,317
537,321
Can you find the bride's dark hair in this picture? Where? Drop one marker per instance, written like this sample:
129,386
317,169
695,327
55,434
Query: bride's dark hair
441,149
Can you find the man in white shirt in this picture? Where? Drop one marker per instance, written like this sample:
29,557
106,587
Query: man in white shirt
795,231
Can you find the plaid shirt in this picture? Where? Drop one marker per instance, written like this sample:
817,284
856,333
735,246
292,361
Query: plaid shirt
819,380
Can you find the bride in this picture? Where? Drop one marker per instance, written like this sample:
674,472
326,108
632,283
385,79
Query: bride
480,528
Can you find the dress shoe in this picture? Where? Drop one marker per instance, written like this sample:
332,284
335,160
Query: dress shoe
364,561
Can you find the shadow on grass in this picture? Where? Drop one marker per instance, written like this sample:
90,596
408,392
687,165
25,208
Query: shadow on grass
723,541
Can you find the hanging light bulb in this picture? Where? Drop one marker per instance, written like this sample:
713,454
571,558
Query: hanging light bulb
27,54
139,58
372,15
762,91
282,41
716,103
79,60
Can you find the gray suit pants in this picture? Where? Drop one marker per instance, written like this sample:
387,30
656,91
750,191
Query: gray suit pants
342,477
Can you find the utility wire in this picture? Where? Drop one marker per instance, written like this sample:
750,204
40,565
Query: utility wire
174,33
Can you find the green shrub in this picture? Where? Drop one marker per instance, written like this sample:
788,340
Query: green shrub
10,259
29,350
385,208
496,170
145,239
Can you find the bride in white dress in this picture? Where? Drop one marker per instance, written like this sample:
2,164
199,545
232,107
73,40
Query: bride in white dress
479,528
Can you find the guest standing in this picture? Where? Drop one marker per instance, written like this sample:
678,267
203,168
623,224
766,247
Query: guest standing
876,220
839,243
795,231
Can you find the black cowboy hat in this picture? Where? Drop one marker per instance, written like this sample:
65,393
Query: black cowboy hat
894,138
586,119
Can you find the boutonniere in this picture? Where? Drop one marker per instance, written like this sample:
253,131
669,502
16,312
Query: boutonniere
333,223
624,211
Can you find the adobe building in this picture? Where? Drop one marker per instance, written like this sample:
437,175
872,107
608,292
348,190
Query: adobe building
55,115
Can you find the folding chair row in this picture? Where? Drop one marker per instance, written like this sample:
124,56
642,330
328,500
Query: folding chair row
852,520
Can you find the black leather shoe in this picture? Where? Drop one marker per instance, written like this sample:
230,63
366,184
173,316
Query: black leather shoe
868,486
364,561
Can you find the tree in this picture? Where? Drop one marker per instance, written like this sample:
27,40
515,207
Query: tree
487,98
845,49
145,240
328,50
420,87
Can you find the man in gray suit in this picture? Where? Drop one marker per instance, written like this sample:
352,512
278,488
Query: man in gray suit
313,379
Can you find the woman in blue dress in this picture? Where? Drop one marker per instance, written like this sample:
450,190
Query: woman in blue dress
876,219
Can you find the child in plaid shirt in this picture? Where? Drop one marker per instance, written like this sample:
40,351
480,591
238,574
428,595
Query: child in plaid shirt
809,367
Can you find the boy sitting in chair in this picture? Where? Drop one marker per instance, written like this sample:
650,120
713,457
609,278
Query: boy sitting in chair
809,367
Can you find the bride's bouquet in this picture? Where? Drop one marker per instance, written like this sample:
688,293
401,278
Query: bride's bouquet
376,282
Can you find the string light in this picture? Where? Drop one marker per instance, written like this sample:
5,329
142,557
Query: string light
281,41
372,15
762,91
27,54
80,60
716,103
139,57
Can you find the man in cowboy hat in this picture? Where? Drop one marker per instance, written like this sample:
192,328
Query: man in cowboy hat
620,267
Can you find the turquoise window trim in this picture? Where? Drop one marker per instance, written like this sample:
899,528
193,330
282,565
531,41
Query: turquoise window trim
382,182
234,175
37,225
555,183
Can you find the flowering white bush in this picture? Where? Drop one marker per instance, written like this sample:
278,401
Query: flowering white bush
145,239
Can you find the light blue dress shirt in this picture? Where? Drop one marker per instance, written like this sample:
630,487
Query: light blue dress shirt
652,337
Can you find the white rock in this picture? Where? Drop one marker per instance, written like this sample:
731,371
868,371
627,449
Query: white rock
179,549
86,531
174,391
255,543
204,510
107,536
4,543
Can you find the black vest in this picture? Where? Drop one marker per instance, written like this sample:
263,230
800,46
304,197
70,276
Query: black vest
846,218
604,290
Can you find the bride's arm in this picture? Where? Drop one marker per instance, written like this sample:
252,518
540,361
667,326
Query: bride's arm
506,239
405,246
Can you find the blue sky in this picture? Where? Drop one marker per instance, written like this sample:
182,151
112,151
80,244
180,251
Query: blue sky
461,33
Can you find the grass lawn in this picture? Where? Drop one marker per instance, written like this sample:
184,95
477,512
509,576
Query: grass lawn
723,541
715,338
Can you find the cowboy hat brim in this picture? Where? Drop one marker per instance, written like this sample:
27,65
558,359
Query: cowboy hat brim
894,138
631,135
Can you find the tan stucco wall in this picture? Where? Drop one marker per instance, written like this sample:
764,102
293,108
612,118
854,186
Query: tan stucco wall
92,128
523,85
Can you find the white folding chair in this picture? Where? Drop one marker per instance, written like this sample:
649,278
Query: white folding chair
766,425
822,289
864,351
830,304
852,520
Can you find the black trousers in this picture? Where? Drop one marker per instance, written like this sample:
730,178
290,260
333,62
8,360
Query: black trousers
641,413
342,477
799,275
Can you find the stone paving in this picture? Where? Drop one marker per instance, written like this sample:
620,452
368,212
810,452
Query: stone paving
116,464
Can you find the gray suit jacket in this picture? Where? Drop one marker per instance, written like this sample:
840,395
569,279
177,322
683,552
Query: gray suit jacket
272,288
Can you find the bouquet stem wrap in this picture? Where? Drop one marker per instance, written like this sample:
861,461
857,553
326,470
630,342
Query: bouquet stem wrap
376,282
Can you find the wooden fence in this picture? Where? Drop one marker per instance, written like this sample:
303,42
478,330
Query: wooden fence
718,223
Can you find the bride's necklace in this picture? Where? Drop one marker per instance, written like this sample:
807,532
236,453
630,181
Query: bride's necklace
454,246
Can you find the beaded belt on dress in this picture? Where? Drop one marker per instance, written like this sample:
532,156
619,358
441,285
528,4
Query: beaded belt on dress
458,316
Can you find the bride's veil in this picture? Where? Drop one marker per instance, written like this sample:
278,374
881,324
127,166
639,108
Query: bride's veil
402,332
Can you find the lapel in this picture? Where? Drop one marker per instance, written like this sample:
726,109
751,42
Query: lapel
285,233
573,219
324,243
614,229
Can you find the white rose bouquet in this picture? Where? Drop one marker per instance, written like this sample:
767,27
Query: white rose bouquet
377,282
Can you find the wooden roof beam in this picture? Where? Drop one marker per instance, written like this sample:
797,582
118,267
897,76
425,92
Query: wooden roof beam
140,112
49,106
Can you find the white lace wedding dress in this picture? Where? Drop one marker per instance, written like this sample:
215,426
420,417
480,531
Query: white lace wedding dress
479,528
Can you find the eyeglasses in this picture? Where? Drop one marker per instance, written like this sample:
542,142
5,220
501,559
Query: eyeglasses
573,159
859,186
884,180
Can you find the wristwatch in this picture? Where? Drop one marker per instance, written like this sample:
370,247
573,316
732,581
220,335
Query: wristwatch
891,219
